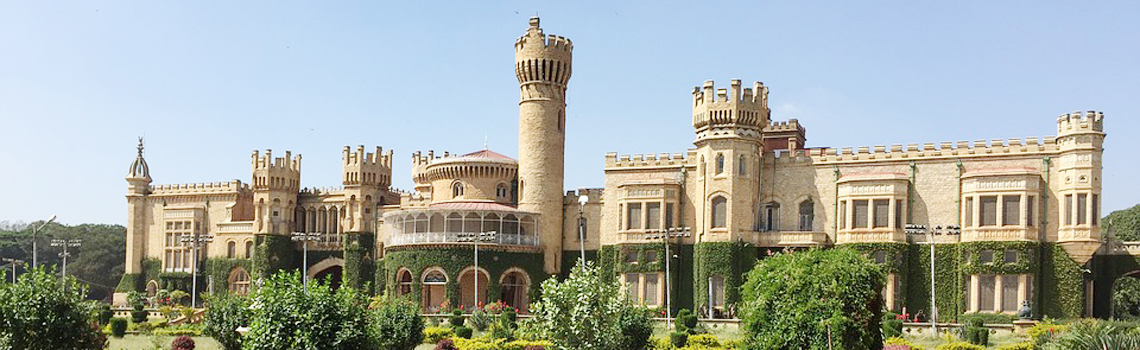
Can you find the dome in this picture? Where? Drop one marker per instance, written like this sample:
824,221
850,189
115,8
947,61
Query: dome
139,169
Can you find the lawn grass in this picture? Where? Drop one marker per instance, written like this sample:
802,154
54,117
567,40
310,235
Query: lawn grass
146,342
723,332
997,339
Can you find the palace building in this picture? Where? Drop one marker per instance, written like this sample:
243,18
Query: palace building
1012,221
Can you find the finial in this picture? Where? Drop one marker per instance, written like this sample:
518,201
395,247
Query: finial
140,146
534,20
484,142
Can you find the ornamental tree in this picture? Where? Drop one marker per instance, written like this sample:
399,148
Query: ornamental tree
287,316
582,312
796,300
42,312
223,317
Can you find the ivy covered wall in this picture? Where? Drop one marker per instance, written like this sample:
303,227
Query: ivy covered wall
218,271
453,261
274,253
731,260
1061,284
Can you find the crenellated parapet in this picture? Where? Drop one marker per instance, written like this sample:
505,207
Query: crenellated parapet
594,195
613,160
959,149
200,188
367,169
542,59
1078,122
732,112
282,173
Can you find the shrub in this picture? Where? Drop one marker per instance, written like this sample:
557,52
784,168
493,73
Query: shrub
397,325
499,331
1043,332
479,320
43,312
289,316
705,340
456,319
464,332
959,346
182,343
899,343
582,311
432,335
445,344
795,300
686,321
508,318
678,339
892,325
1095,334
105,314
118,327
138,315
974,332
636,327
988,318
1017,346
658,343
223,317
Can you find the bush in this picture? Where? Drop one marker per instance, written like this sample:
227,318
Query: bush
1017,346
456,319
463,332
705,340
960,346
658,343
678,339
508,318
138,315
686,321
479,320
582,311
975,332
898,343
105,314
445,344
988,318
118,327
397,325
182,343
892,327
795,300
43,312
1096,334
1043,332
432,335
289,316
223,317
636,327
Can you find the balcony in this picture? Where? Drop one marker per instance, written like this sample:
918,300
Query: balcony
791,239
865,235
456,237
999,233
236,227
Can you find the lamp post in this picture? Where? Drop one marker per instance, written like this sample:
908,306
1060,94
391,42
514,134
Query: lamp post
665,235
305,238
194,242
65,243
475,238
922,229
13,262
35,232
582,200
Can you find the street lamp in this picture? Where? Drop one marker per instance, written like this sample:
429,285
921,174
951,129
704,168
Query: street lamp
922,229
13,262
195,241
35,231
65,243
305,238
664,235
582,200
475,238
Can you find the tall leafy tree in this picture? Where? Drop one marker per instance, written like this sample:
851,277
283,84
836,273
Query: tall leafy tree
582,312
43,312
1125,224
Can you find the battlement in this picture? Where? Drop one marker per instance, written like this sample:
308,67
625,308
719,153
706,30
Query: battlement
594,194
322,191
959,149
1078,122
282,163
732,107
362,168
648,160
359,157
534,40
199,188
783,126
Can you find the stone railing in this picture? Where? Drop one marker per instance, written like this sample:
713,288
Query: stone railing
236,227
791,238
870,235
454,237
1011,233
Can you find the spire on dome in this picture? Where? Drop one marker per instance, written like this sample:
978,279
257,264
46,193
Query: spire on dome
139,169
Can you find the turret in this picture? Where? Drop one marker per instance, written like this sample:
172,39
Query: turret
366,178
276,182
138,189
138,177
733,112
1080,139
543,67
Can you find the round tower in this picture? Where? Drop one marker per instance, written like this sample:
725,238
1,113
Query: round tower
138,188
542,64
1080,138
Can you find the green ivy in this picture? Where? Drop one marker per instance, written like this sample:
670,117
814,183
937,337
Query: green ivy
731,260
273,253
218,270
454,260
949,286
1062,284
896,254
1027,260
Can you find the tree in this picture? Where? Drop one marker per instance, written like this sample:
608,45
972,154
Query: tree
1126,298
805,299
582,312
1125,224
98,262
43,312
223,317
397,325
287,316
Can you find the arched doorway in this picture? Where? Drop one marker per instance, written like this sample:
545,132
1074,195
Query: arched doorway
151,288
238,281
433,290
515,286
330,271
403,282
467,288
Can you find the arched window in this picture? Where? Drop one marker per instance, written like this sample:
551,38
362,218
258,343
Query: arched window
741,166
457,189
719,163
515,286
434,290
502,191
239,281
719,211
248,249
231,249
807,215
770,214
151,288
404,281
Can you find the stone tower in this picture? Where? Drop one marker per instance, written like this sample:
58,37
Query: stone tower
1080,137
366,179
729,124
276,182
138,188
542,64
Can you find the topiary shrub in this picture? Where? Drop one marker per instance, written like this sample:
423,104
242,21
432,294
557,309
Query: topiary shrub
456,318
975,332
182,343
118,327
138,315
105,314
464,332
795,300
636,327
678,339
432,335
686,321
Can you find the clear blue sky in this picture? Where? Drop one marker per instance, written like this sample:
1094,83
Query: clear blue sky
207,82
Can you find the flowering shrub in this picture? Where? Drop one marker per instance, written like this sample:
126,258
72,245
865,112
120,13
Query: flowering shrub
897,343
432,335
182,343
445,344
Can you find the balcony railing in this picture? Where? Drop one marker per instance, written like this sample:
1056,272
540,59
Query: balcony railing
454,237
791,238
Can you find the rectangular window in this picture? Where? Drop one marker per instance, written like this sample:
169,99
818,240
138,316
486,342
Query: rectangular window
1010,256
619,220
771,217
882,212
1082,205
1095,209
860,214
650,256
986,290
653,216
986,256
1068,209
650,289
630,255
1010,210
1029,211
669,215
967,293
1009,293
899,213
969,214
634,214
633,285
842,216
716,283
898,296
989,210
